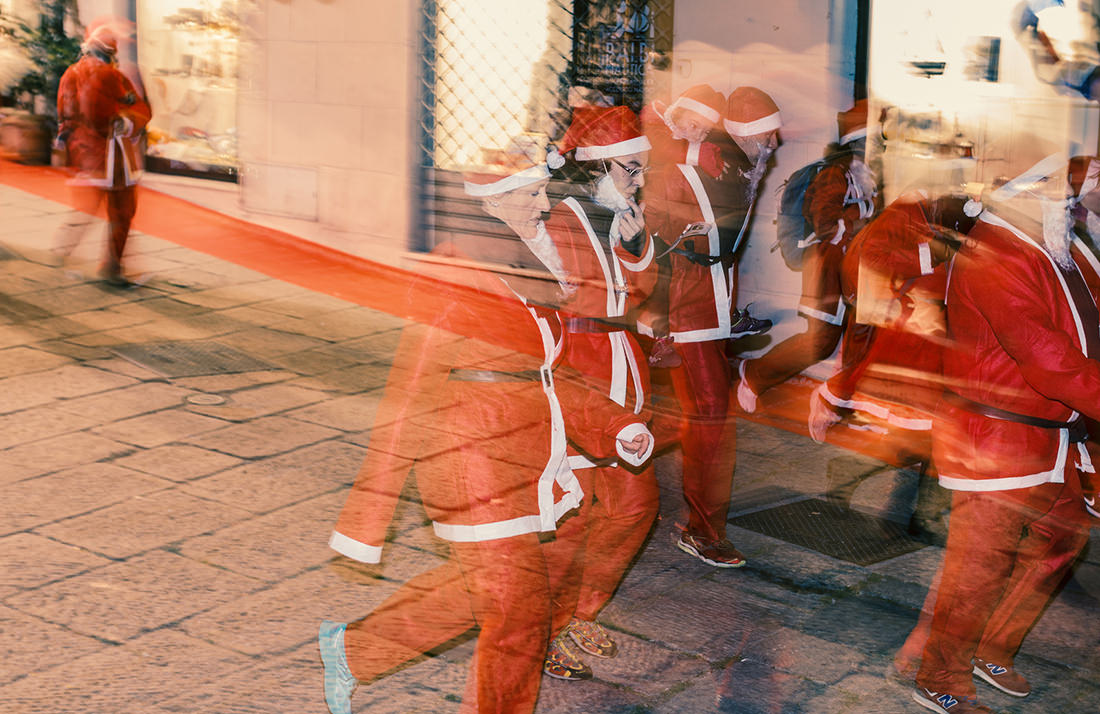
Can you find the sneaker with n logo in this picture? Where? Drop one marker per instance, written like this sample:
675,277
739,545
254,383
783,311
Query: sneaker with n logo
948,703
1007,679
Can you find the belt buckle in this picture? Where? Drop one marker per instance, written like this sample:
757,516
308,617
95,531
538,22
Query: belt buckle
547,377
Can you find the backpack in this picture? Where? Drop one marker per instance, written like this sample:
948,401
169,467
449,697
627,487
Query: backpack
791,226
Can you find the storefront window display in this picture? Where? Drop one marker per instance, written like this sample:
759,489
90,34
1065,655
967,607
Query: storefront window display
187,51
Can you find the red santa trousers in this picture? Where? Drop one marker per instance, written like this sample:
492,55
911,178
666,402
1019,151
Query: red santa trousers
1006,553
121,206
617,525
709,435
504,587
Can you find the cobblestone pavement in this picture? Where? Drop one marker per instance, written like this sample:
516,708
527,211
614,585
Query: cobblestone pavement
164,538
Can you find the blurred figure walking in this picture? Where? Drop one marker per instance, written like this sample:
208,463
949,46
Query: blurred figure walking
101,116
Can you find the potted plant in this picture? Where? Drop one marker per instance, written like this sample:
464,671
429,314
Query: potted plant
25,135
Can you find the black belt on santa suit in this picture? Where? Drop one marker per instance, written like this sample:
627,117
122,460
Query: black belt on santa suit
1078,431
588,324
704,259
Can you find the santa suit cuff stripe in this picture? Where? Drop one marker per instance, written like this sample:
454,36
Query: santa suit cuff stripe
354,549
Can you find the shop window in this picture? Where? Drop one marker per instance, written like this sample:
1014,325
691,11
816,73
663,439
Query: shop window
498,74
187,52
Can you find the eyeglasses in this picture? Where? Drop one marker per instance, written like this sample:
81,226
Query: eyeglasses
632,172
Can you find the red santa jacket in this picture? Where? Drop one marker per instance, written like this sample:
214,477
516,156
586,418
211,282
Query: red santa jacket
701,297
607,284
1018,343
892,351
91,96
474,401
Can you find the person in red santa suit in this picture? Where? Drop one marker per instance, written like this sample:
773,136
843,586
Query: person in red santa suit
699,221
475,401
838,203
608,256
101,117
1007,439
679,133
894,280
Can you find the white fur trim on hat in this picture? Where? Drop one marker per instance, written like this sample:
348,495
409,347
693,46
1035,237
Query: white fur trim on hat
1043,168
610,151
511,182
853,135
749,128
708,113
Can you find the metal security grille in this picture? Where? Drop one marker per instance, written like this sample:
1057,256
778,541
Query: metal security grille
501,75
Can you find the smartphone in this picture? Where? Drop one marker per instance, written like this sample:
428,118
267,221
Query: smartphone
699,228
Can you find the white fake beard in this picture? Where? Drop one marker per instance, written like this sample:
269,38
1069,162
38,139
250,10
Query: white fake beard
609,197
756,173
1057,229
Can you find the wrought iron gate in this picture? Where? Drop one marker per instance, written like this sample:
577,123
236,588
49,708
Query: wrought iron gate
497,73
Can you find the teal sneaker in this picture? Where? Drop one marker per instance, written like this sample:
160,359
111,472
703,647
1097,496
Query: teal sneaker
339,681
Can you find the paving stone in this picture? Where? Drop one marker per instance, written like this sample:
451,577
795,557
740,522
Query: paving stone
264,485
248,404
22,334
31,560
76,298
143,522
351,413
262,437
251,315
62,383
646,668
131,401
72,350
159,428
878,627
120,601
732,626
61,452
116,364
807,656
178,462
45,499
312,361
332,326
273,546
360,378
30,645
131,677
232,382
266,343
286,616
23,360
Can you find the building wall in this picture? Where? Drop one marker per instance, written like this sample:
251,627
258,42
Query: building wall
328,111
326,115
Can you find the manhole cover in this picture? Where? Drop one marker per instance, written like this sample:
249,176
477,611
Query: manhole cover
833,530
190,359
206,400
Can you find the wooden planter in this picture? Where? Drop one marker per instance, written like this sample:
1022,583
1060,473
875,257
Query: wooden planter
25,137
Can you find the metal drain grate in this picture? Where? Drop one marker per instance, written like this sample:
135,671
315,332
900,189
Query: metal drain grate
833,530
190,359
